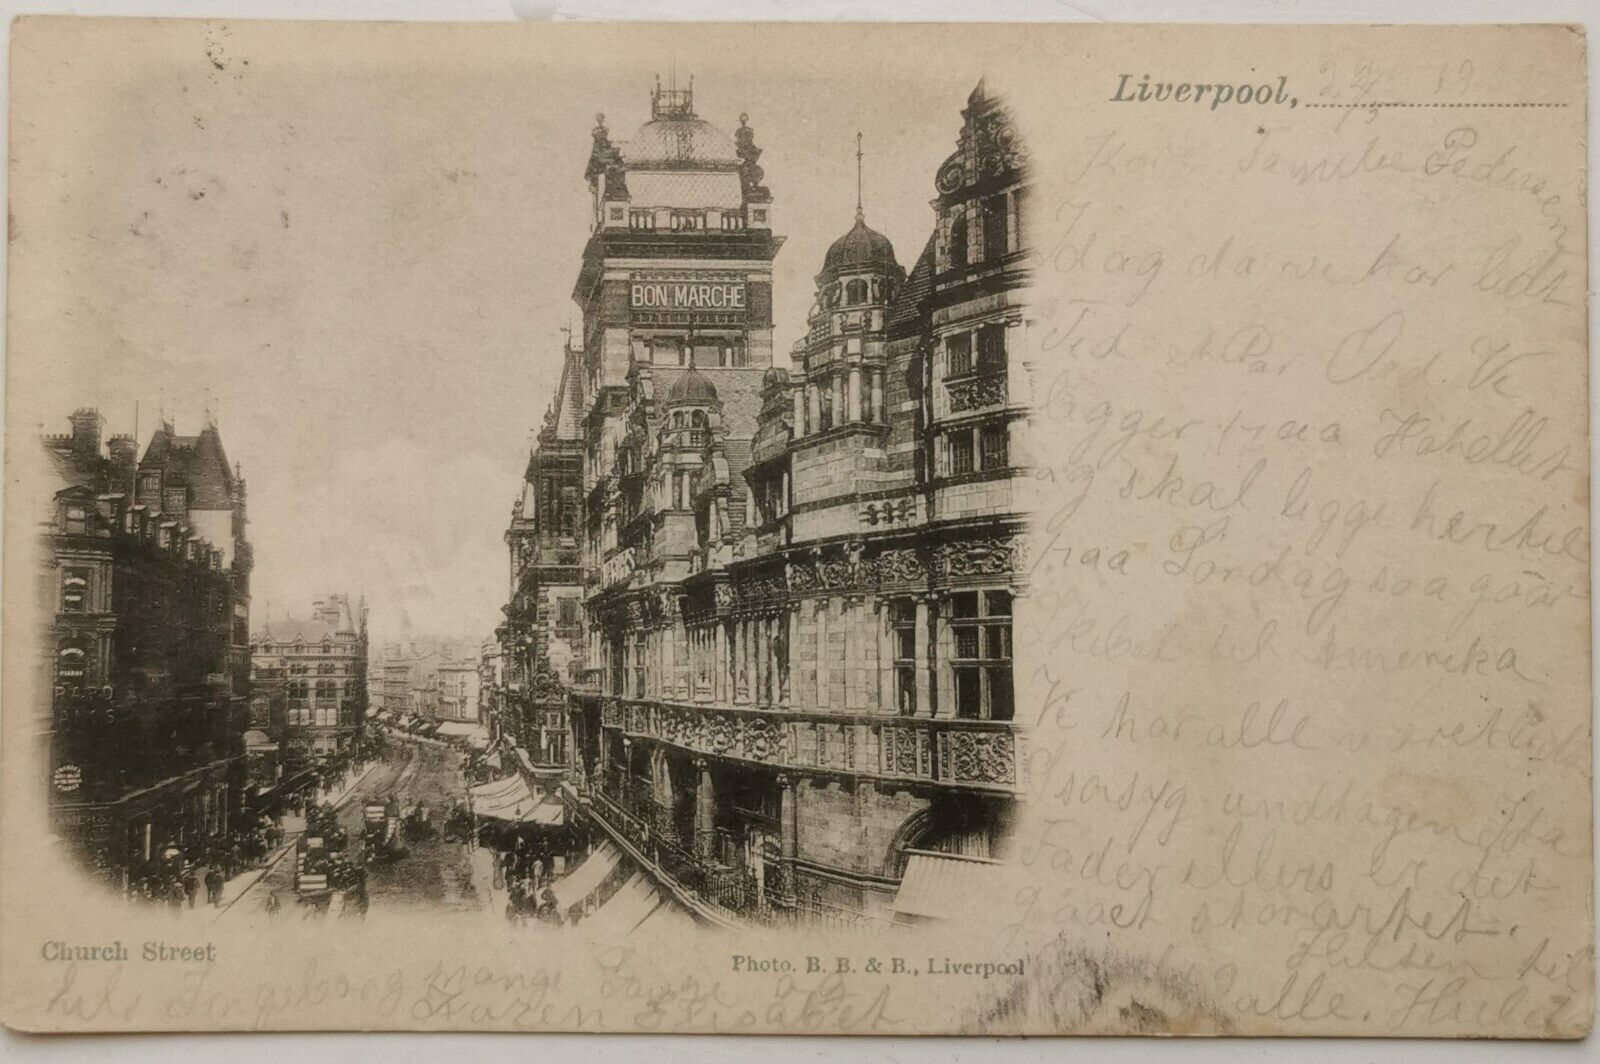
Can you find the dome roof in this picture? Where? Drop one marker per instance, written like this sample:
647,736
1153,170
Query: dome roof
691,389
676,141
860,247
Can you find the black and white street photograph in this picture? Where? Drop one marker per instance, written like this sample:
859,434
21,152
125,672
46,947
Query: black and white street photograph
750,661
931,528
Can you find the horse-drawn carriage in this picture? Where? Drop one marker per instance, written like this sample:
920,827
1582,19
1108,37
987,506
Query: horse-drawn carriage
419,824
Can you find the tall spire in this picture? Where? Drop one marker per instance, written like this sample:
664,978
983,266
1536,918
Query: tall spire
861,215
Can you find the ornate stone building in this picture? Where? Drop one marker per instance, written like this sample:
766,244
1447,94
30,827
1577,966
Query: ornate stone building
322,662
789,680
147,582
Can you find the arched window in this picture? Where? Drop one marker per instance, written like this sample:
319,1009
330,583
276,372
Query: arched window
855,293
74,590
71,660
958,239
697,419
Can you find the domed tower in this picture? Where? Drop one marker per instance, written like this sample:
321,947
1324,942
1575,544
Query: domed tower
840,367
677,274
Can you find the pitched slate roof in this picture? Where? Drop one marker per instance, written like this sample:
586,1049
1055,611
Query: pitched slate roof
909,306
197,462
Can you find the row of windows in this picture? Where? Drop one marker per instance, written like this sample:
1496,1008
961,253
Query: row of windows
979,624
852,293
679,351
300,649
681,220
321,715
74,519
978,652
984,448
991,351
298,689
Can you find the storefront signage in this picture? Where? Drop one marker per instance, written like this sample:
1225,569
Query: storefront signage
68,778
688,295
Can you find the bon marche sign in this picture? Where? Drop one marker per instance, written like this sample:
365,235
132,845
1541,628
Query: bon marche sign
688,295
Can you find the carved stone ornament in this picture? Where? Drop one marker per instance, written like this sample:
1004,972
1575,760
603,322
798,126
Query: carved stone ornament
899,565
951,175
979,757
991,556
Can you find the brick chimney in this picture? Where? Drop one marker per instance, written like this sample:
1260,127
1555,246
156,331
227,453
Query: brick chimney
86,426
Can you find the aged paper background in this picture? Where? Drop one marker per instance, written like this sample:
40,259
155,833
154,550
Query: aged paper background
1309,679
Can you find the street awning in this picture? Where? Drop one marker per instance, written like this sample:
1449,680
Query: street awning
576,886
463,729
633,902
300,779
478,740
496,788
943,886
666,918
549,813
507,799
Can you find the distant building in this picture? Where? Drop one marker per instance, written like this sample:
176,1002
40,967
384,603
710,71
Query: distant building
147,584
458,690
490,677
396,679
412,678
322,661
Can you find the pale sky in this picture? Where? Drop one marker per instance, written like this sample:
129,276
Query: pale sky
363,251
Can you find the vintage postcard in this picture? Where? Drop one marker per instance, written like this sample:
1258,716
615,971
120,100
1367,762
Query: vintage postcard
848,529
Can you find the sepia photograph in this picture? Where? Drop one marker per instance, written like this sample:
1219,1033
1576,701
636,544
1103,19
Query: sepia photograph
797,529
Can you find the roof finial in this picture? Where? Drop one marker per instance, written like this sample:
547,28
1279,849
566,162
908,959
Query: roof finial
861,215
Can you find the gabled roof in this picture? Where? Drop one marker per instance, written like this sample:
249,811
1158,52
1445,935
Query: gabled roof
197,462
565,417
909,306
308,631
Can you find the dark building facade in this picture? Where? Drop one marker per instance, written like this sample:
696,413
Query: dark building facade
146,577
788,671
